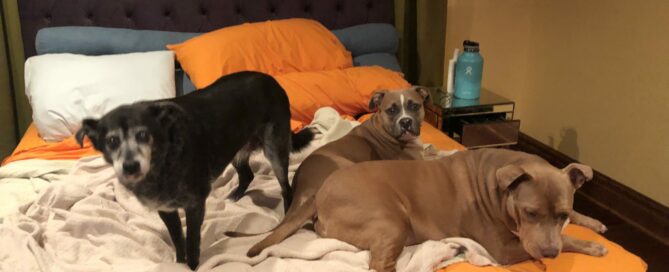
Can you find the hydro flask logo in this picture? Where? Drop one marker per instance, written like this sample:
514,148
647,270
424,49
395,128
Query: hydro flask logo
468,71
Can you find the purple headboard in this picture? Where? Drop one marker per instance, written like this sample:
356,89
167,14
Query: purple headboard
192,15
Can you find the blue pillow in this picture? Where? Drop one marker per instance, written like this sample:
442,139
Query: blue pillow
183,83
385,60
87,40
369,38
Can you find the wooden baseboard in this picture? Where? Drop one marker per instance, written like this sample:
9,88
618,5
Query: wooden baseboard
629,205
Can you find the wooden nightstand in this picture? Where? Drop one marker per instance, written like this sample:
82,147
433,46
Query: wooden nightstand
475,123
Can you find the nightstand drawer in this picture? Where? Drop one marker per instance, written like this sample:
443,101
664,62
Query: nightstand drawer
498,133
433,119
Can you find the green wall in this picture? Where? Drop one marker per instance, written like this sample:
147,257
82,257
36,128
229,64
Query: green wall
15,112
422,28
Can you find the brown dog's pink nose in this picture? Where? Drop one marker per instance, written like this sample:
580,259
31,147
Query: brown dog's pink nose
550,252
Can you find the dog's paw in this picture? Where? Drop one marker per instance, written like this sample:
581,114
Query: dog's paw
602,228
236,195
597,226
193,264
594,225
314,130
253,252
597,250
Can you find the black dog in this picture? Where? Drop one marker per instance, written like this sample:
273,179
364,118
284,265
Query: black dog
168,152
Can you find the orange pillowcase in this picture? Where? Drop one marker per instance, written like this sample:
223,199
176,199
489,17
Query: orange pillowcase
272,47
346,90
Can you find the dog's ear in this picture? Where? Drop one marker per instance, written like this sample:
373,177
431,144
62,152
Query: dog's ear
376,99
578,174
509,176
172,120
165,113
89,127
423,92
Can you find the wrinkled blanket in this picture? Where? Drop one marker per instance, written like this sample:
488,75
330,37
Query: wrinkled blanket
21,181
89,222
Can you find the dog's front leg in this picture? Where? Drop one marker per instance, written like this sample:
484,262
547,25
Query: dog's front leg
581,246
587,221
194,218
173,224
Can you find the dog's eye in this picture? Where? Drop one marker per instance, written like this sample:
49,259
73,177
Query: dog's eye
142,136
392,110
531,214
413,106
113,142
563,217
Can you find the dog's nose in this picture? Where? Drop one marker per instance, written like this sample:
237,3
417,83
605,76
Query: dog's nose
550,252
406,123
130,167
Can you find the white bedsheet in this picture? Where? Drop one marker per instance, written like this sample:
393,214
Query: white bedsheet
87,221
21,181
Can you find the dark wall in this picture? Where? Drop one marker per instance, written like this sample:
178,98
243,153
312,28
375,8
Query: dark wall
422,26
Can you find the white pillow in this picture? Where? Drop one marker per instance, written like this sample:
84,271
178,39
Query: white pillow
63,89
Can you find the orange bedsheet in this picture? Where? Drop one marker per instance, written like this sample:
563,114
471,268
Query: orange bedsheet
432,135
617,260
33,147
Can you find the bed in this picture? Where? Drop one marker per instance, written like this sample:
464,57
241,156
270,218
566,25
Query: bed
72,215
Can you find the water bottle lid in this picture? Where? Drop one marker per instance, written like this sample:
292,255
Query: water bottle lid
470,46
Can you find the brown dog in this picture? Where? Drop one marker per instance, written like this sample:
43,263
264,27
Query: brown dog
390,134
512,203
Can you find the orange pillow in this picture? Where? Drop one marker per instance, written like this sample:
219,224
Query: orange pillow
272,47
346,90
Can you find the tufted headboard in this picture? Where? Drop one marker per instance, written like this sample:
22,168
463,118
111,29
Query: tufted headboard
192,15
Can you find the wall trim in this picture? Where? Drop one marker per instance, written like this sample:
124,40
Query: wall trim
637,210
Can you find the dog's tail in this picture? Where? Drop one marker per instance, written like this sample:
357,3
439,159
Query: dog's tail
290,224
235,234
301,139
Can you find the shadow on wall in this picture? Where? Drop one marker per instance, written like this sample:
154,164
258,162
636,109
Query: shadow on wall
568,142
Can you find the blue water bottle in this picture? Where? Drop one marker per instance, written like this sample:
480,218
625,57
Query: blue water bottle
468,72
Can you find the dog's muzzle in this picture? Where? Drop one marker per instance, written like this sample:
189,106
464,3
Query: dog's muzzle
130,168
408,129
131,172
